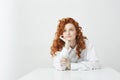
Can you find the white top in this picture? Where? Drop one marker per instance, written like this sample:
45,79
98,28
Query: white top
88,60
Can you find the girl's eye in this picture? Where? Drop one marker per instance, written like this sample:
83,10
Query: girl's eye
64,31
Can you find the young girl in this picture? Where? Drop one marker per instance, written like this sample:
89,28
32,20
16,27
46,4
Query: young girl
71,50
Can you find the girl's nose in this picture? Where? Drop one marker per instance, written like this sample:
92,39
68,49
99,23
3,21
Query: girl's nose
68,32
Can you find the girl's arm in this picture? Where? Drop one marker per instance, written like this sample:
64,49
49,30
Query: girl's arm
90,62
57,59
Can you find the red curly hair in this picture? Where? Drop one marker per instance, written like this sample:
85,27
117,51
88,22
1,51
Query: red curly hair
58,44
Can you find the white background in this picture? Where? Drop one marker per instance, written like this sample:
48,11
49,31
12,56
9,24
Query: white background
27,28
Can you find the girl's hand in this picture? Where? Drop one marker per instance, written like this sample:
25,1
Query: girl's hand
67,43
61,37
65,62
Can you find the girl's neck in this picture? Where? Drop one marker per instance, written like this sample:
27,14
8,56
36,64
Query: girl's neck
73,44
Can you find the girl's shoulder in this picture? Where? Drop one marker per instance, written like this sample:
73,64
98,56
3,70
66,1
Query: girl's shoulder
88,43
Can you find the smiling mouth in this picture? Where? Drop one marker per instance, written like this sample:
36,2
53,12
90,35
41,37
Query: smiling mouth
68,36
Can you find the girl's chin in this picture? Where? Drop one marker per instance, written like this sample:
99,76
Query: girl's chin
69,39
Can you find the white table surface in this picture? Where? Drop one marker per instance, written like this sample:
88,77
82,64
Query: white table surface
52,74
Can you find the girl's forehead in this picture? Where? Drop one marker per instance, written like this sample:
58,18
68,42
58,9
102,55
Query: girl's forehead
69,25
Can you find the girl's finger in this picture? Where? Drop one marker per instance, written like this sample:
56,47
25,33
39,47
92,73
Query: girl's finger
61,37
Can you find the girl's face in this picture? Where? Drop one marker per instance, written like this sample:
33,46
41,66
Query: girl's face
69,32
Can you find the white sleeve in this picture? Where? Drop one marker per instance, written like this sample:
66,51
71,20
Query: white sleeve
56,59
90,61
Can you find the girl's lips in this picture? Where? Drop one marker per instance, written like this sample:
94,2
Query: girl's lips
67,36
